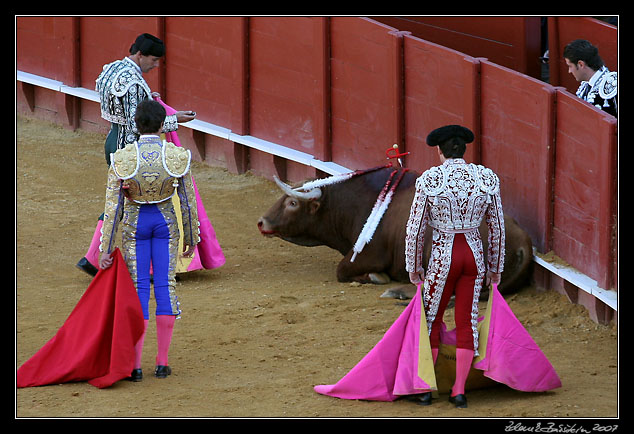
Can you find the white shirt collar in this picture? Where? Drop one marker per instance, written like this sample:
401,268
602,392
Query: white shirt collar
133,63
454,161
595,77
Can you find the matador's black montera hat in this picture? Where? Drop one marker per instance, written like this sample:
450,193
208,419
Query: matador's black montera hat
442,134
148,45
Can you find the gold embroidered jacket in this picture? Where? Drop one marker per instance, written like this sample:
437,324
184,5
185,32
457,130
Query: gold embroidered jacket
149,171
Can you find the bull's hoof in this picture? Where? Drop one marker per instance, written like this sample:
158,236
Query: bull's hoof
379,278
404,292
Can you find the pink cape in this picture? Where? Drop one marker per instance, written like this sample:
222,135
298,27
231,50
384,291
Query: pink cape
208,253
509,356
96,342
391,368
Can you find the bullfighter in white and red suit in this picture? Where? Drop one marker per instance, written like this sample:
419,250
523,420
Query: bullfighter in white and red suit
453,198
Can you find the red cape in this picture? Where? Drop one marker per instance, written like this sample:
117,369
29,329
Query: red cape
96,342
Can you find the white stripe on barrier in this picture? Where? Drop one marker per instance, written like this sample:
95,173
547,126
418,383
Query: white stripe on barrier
202,126
580,280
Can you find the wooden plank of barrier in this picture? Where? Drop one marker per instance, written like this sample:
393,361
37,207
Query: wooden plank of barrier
585,188
518,125
442,87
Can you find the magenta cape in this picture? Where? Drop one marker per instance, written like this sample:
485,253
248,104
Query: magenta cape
96,342
392,367
389,370
208,253
509,355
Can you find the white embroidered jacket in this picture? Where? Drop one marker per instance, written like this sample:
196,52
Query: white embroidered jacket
601,90
121,88
454,198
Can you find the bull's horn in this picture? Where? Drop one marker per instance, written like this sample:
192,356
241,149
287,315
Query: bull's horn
307,195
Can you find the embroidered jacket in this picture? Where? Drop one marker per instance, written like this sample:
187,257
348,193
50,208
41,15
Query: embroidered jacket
454,198
601,90
121,88
147,172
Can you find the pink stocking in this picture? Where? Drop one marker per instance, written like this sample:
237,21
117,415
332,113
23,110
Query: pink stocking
92,255
164,329
464,358
138,348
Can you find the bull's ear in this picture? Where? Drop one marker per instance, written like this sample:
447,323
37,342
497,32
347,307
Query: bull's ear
313,206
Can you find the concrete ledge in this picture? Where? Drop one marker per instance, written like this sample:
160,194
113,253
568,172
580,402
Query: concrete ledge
80,92
198,125
36,80
579,280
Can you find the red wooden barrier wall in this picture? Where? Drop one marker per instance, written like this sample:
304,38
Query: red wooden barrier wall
517,123
286,83
344,89
46,46
365,91
442,88
282,83
513,42
105,39
203,68
584,224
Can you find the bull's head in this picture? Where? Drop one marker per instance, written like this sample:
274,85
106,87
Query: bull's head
293,217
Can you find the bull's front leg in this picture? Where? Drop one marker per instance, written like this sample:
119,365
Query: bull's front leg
360,271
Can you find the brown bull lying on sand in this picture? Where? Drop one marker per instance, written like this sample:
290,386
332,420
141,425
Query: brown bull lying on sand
335,214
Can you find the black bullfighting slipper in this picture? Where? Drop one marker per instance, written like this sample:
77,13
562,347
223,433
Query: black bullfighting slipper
460,401
85,265
137,375
420,399
162,371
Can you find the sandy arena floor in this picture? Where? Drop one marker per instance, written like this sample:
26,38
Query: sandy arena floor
257,334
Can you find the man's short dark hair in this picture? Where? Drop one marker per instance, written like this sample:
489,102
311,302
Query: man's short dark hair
149,116
453,148
580,49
